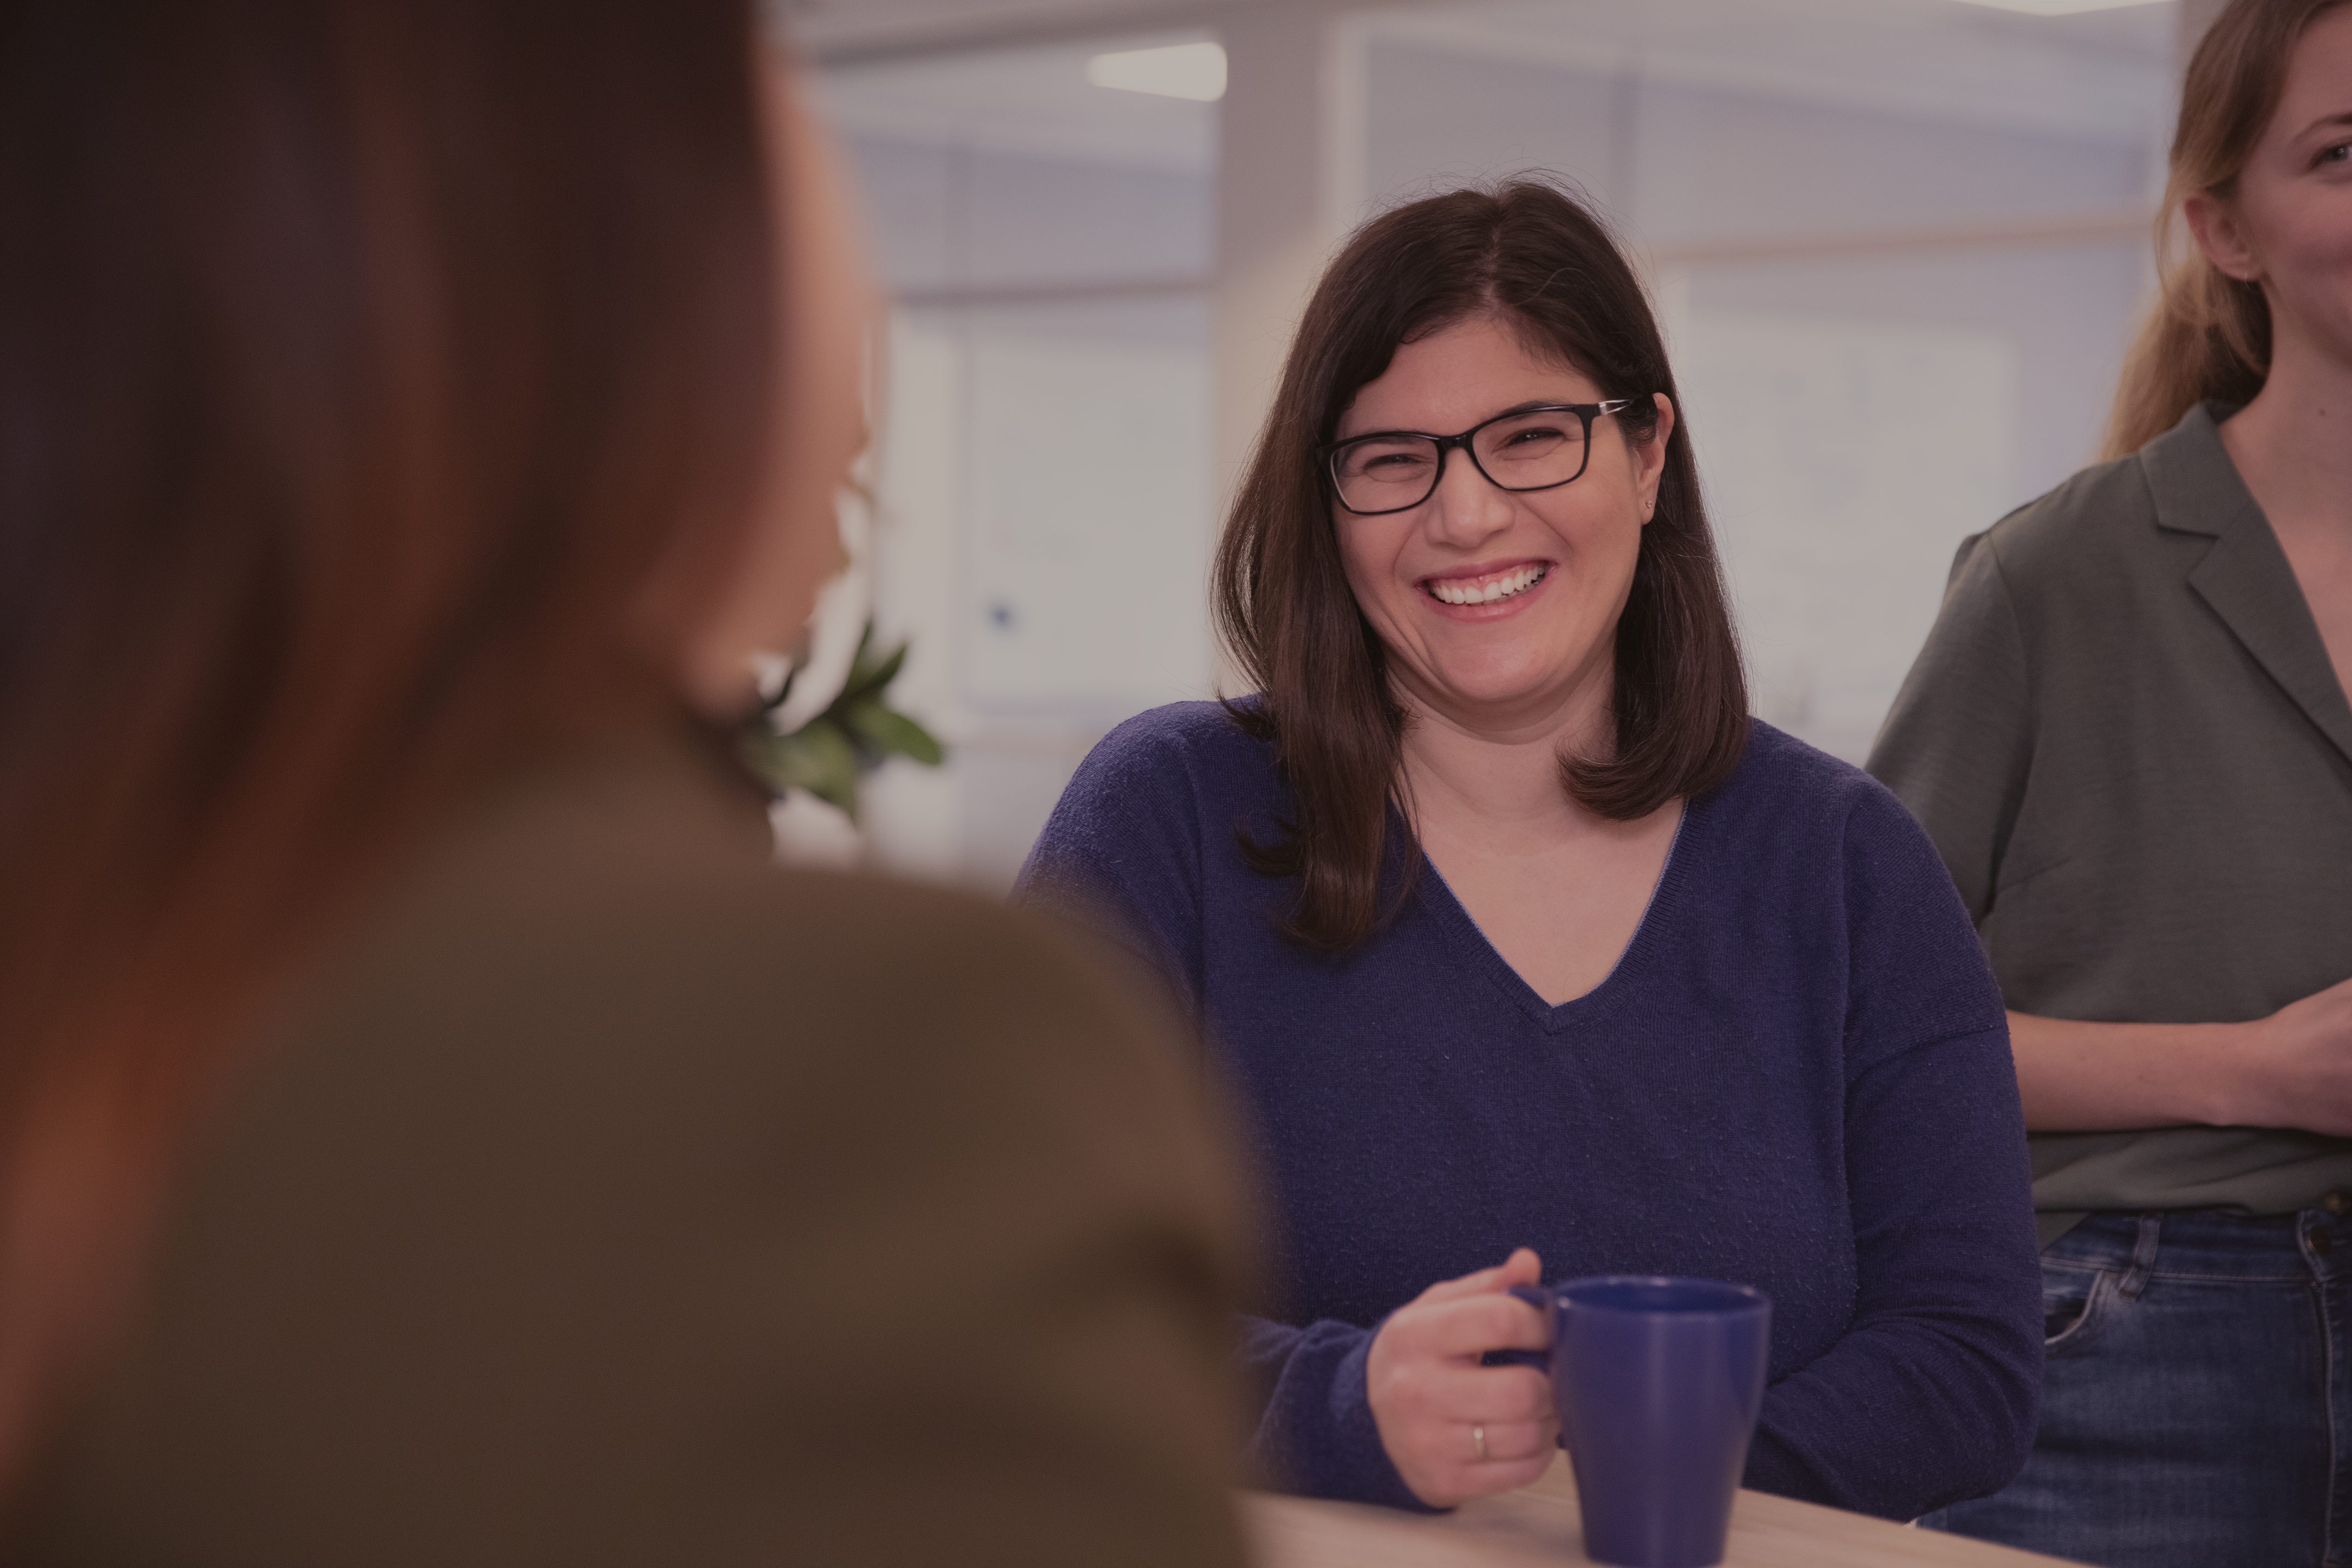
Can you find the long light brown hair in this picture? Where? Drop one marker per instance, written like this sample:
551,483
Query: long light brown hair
362,362
1529,253
2208,335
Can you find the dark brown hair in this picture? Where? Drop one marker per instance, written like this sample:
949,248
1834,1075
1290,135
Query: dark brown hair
1531,254
2208,335
362,365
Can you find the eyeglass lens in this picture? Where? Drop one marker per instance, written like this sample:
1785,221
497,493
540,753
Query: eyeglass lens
1525,452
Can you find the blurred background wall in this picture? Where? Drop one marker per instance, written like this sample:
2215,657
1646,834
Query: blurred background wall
1898,246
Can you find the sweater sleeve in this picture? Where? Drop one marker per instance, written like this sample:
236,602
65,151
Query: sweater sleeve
1122,855
1316,1435
1931,1396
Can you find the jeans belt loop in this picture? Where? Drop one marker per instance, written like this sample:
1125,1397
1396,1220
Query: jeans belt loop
2143,1261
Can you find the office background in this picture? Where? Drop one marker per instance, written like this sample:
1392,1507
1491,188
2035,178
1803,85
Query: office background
1897,245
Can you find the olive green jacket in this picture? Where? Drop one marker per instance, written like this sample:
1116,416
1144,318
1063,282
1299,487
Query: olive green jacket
614,1196
2126,737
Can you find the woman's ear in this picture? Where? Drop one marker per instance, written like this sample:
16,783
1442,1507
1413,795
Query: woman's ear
2221,236
1650,456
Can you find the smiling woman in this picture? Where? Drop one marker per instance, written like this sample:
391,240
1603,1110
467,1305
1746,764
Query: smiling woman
1405,338
1497,602
2129,736
1522,942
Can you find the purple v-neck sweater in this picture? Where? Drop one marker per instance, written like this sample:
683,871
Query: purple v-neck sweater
1797,1076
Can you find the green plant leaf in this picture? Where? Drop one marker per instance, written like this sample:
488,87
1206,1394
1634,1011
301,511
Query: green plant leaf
887,732
817,757
857,731
868,679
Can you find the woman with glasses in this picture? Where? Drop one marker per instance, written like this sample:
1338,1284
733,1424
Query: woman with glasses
1528,952
2128,735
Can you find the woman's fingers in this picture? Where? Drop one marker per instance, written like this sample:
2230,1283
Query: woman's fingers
1456,1460
1507,1323
1454,1427
1418,1391
2299,1069
1522,1267
1474,1314
1431,1413
1470,1327
1494,1395
1509,1442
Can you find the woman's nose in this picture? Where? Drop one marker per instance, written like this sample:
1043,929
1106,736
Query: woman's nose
1467,506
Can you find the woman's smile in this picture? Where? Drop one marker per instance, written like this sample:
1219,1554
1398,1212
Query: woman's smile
1485,592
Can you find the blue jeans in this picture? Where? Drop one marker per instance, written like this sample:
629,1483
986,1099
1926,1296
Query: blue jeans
2197,1404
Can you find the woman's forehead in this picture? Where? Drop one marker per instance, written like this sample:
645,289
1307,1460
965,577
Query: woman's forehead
1457,375
2317,91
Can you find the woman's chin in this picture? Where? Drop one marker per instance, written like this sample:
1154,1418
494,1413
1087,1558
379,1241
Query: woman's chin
1485,697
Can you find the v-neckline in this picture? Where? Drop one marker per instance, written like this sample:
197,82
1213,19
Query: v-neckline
1454,919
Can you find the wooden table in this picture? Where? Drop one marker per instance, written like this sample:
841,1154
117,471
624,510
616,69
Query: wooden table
1540,1525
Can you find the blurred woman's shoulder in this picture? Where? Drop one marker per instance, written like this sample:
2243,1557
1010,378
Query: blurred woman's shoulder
644,871
600,1140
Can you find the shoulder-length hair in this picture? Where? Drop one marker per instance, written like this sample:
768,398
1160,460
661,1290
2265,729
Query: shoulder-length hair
1531,254
2207,334
364,365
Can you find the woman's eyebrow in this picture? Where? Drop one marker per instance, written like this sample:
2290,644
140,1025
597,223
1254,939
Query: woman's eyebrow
2343,117
1530,407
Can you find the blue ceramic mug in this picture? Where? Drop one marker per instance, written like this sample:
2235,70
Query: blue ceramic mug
1659,1382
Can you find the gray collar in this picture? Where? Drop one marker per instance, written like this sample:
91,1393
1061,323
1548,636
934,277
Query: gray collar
2196,486
2244,577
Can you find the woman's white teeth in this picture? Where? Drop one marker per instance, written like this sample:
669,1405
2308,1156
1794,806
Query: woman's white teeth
1472,591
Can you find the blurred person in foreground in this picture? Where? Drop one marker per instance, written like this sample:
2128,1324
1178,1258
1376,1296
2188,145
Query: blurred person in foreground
2127,734
1526,947
431,1130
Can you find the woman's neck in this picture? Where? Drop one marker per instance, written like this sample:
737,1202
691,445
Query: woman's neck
1499,773
1557,890
2292,444
2293,447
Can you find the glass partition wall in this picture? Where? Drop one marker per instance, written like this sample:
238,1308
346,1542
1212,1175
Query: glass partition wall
1898,246
1042,492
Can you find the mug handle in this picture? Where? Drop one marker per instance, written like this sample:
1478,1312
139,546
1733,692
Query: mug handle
1538,1297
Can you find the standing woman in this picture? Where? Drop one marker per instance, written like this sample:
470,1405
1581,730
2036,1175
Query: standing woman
2128,737
430,1130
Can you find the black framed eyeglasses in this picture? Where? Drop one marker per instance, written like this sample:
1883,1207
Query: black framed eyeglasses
1525,449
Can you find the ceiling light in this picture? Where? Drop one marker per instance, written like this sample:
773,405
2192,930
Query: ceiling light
2058,7
1196,72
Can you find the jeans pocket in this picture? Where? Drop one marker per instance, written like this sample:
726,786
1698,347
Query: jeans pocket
2071,1308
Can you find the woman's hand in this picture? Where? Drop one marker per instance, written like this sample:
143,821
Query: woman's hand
1437,1405
2302,1066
